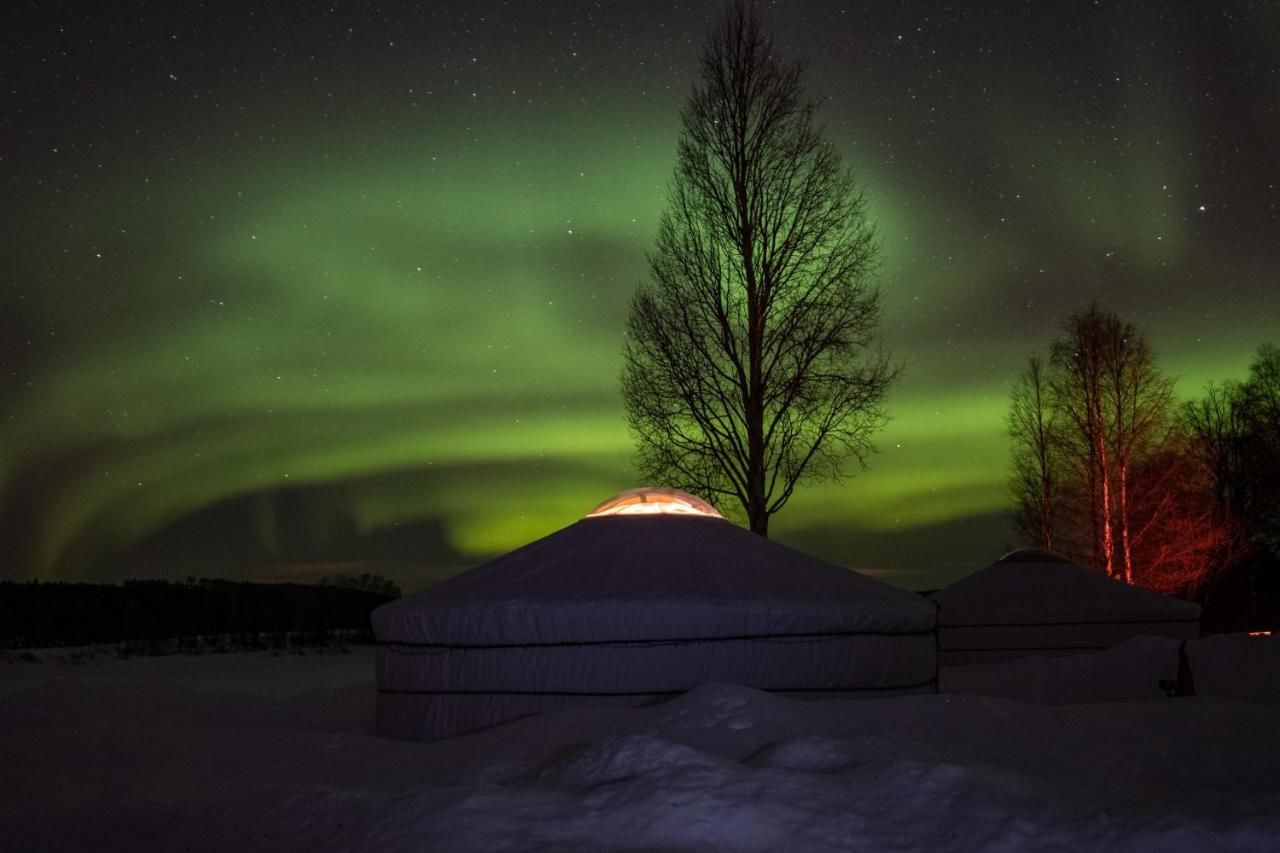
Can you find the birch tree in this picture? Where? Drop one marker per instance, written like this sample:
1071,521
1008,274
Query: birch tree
753,359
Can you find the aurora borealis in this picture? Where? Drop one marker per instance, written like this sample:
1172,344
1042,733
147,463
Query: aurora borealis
300,282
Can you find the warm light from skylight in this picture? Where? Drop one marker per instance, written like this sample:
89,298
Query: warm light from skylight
654,500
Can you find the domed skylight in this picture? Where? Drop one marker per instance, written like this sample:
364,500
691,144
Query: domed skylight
654,500
1033,555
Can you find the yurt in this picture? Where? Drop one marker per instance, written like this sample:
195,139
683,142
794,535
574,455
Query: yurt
1037,602
649,595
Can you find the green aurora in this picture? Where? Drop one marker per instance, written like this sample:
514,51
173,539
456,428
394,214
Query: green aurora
415,312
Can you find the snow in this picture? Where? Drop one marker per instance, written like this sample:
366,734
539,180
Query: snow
275,752
1237,666
1131,671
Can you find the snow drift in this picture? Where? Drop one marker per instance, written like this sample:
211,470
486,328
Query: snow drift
276,752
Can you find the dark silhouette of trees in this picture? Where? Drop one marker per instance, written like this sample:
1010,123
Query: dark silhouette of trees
1033,430
1260,397
1215,425
364,582
1234,431
36,614
752,359
1215,428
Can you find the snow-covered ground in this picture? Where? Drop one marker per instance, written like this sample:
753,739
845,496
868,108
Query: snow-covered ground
276,752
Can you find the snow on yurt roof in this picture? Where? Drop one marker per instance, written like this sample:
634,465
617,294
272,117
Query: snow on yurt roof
1034,586
654,500
649,576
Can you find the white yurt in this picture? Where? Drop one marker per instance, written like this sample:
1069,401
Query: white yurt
649,595
1036,602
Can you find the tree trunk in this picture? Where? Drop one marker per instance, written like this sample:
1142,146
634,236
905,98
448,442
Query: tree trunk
1108,536
1124,523
1046,521
1046,494
1095,532
757,501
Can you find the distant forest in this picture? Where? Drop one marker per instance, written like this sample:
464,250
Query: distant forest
42,615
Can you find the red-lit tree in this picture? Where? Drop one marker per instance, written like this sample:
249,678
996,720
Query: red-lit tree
1178,538
1113,405
1103,472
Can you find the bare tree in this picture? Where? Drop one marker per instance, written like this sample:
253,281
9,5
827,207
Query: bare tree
1114,407
1235,430
1079,370
753,359
1032,426
1141,402
1260,399
1215,426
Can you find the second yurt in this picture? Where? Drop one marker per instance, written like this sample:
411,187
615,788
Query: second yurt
1036,602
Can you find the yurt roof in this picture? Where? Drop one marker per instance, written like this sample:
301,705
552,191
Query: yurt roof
649,576
1035,586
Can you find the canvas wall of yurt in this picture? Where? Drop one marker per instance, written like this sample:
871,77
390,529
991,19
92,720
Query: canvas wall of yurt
1033,602
651,594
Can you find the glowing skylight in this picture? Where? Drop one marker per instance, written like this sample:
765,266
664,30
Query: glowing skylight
654,500
1033,555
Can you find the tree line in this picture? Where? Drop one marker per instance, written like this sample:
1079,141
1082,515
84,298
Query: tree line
1111,469
42,614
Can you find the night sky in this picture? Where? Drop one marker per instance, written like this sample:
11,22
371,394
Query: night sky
292,282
